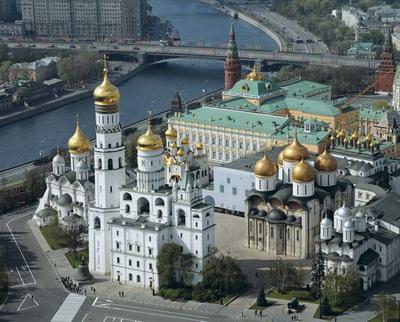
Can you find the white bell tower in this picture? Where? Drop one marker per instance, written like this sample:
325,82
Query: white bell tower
109,166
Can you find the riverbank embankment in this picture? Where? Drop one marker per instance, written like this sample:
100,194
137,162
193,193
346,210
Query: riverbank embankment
68,98
267,29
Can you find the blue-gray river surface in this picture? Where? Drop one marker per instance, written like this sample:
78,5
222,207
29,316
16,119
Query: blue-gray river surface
27,139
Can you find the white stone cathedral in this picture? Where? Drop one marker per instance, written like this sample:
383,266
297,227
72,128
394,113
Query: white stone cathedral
130,222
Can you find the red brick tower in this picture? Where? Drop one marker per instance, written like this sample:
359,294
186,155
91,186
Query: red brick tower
232,65
387,68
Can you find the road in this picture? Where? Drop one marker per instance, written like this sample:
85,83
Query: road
302,40
35,292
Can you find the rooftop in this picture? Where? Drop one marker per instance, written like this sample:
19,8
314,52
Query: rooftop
384,206
303,88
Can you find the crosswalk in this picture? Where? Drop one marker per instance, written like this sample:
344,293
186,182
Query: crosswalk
69,308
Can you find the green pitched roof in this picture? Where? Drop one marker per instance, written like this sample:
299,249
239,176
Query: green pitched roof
241,120
371,114
310,106
302,88
255,89
360,48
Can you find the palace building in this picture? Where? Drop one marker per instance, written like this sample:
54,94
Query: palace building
129,221
257,112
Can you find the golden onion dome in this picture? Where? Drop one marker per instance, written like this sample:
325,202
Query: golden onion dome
149,141
303,172
265,167
332,137
342,134
280,158
78,143
325,162
254,75
106,94
173,145
185,141
376,142
359,141
200,146
346,139
171,133
295,151
355,136
369,138
170,161
180,153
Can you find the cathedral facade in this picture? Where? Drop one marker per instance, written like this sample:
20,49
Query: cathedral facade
291,196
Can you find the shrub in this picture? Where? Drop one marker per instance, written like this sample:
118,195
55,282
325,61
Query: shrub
202,294
175,293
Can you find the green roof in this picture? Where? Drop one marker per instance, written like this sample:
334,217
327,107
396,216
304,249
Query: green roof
303,89
241,120
360,48
273,105
371,114
255,89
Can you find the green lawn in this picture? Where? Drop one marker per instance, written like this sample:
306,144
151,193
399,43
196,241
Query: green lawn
394,316
336,310
53,243
302,295
75,260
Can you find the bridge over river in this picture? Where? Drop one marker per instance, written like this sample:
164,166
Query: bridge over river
154,52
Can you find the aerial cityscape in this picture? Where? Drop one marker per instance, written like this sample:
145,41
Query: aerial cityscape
200,160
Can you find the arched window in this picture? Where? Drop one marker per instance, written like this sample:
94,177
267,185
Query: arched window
138,278
97,223
130,276
100,164
109,145
120,162
127,196
159,214
207,214
110,164
159,202
130,262
181,217
143,206
127,208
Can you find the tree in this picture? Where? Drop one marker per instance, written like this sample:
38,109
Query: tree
342,287
6,201
317,273
385,304
284,275
35,185
74,240
5,70
222,273
261,299
174,267
377,37
325,307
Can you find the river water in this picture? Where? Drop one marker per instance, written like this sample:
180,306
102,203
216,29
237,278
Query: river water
153,89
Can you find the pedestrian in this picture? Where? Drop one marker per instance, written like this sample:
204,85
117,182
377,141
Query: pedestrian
242,314
119,294
260,314
255,312
55,264
292,317
256,274
122,293
85,291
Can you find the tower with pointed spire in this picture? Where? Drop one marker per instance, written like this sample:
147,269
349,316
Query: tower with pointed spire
232,66
109,165
387,67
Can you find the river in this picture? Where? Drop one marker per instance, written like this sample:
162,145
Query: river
153,89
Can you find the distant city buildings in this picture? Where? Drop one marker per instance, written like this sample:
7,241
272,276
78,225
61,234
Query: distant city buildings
38,71
8,10
88,19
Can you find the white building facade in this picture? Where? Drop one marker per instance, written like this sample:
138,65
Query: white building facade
130,222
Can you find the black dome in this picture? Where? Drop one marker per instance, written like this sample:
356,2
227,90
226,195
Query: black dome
262,213
253,211
291,218
276,214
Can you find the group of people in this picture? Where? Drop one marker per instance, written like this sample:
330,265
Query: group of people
70,285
